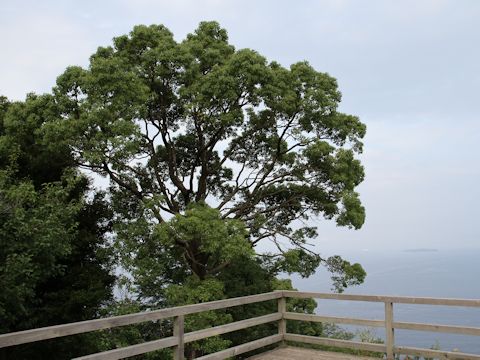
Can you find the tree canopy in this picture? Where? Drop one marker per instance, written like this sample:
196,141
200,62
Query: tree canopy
210,152
178,125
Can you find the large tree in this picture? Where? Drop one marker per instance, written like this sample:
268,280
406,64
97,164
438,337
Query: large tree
178,125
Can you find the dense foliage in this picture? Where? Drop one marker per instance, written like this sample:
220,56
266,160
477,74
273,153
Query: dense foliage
198,122
210,153
54,263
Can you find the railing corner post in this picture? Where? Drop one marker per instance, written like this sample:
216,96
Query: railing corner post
389,331
178,332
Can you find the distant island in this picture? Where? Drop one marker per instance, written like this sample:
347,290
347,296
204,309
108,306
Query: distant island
421,250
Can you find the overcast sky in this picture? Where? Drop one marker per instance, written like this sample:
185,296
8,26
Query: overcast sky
409,69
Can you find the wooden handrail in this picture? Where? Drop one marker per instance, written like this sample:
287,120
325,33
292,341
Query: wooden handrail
385,298
437,354
356,345
50,332
390,325
179,338
452,329
333,319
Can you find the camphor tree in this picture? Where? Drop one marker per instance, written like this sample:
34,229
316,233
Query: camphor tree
211,151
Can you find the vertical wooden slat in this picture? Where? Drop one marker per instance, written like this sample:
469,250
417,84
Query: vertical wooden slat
178,332
389,334
282,323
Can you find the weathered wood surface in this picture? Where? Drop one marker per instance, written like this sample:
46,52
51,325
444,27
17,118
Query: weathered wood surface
282,316
452,329
282,323
175,340
132,350
51,332
337,343
437,354
238,325
334,319
383,298
241,349
293,353
179,332
389,330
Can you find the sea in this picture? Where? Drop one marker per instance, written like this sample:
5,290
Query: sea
411,272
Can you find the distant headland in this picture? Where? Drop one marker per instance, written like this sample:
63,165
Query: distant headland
420,250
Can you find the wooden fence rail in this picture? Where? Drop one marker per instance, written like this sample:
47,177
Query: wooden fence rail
388,323
180,338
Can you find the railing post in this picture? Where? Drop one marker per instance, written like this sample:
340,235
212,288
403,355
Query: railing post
178,331
389,332
282,323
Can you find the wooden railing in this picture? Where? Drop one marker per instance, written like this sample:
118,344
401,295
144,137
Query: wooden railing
388,323
180,338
